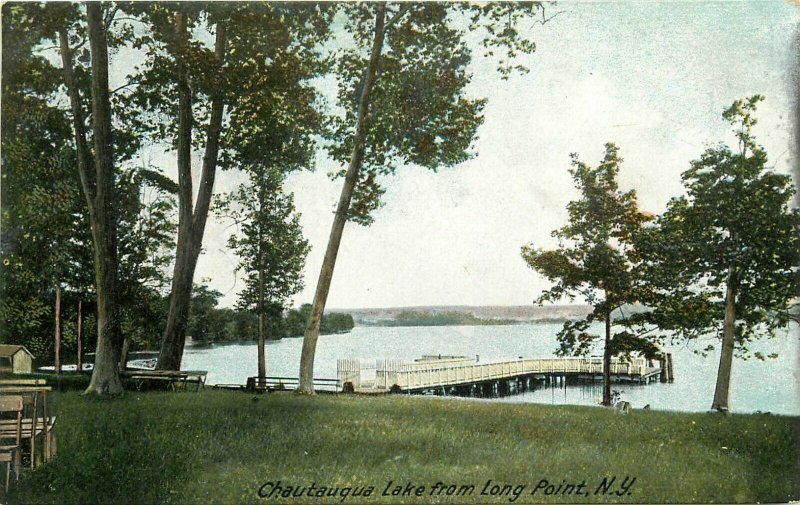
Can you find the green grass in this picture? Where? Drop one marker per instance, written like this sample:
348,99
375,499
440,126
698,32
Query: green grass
221,447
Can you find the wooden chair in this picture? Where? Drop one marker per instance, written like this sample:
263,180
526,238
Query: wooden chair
35,424
11,453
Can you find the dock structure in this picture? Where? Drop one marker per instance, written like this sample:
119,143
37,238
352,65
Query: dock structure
463,376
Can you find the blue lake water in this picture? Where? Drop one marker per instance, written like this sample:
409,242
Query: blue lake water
769,386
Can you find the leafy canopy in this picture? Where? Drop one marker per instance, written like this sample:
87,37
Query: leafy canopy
734,225
269,241
596,258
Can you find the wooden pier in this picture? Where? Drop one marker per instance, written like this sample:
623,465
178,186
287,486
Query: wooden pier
460,375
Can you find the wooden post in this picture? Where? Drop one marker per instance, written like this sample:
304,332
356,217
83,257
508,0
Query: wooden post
123,355
669,367
57,364
80,345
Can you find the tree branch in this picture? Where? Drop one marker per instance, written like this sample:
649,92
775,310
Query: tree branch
400,13
79,126
83,42
210,157
125,86
109,18
546,19
127,18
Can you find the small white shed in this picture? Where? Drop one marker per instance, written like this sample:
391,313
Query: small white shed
15,359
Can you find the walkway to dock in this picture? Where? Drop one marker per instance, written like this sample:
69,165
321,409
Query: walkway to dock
461,374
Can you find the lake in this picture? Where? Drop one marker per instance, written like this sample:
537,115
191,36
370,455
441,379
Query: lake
767,386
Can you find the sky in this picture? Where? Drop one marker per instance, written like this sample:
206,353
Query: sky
652,77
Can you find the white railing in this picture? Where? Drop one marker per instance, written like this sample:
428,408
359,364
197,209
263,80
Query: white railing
430,374
348,370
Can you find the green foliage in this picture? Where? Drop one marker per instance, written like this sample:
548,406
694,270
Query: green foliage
499,24
597,258
204,316
209,324
271,56
297,322
247,98
269,243
223,438
46,238
45,235
734,226
336,322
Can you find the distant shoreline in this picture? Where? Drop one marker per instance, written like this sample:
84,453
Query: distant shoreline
465,315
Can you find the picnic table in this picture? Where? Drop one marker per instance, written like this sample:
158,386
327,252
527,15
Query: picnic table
35,423
166,378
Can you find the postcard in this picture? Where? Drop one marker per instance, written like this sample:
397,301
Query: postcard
400,252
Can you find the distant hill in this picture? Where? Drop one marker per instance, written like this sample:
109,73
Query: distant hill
518,313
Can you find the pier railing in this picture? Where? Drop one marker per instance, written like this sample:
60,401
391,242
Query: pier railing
423,374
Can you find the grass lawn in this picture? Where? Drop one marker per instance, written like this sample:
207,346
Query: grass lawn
223,447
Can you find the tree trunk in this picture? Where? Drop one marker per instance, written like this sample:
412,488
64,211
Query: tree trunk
85,171
123,355
80,341
191,224
57,363
105,376
607,362
306,385
262,323
722,389
262,357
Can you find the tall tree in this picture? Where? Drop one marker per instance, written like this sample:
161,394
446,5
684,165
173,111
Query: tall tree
402,87
232,100
191,218
271,250
725,258
100,192
596,259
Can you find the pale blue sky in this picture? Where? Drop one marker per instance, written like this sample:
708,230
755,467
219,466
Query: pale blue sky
651,76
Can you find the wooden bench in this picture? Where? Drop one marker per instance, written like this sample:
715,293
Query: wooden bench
254,384
34,423
166,378
198,377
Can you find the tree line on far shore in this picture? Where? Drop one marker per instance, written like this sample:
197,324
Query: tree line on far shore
443,318
211,324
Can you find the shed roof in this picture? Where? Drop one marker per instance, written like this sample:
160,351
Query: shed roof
8,350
